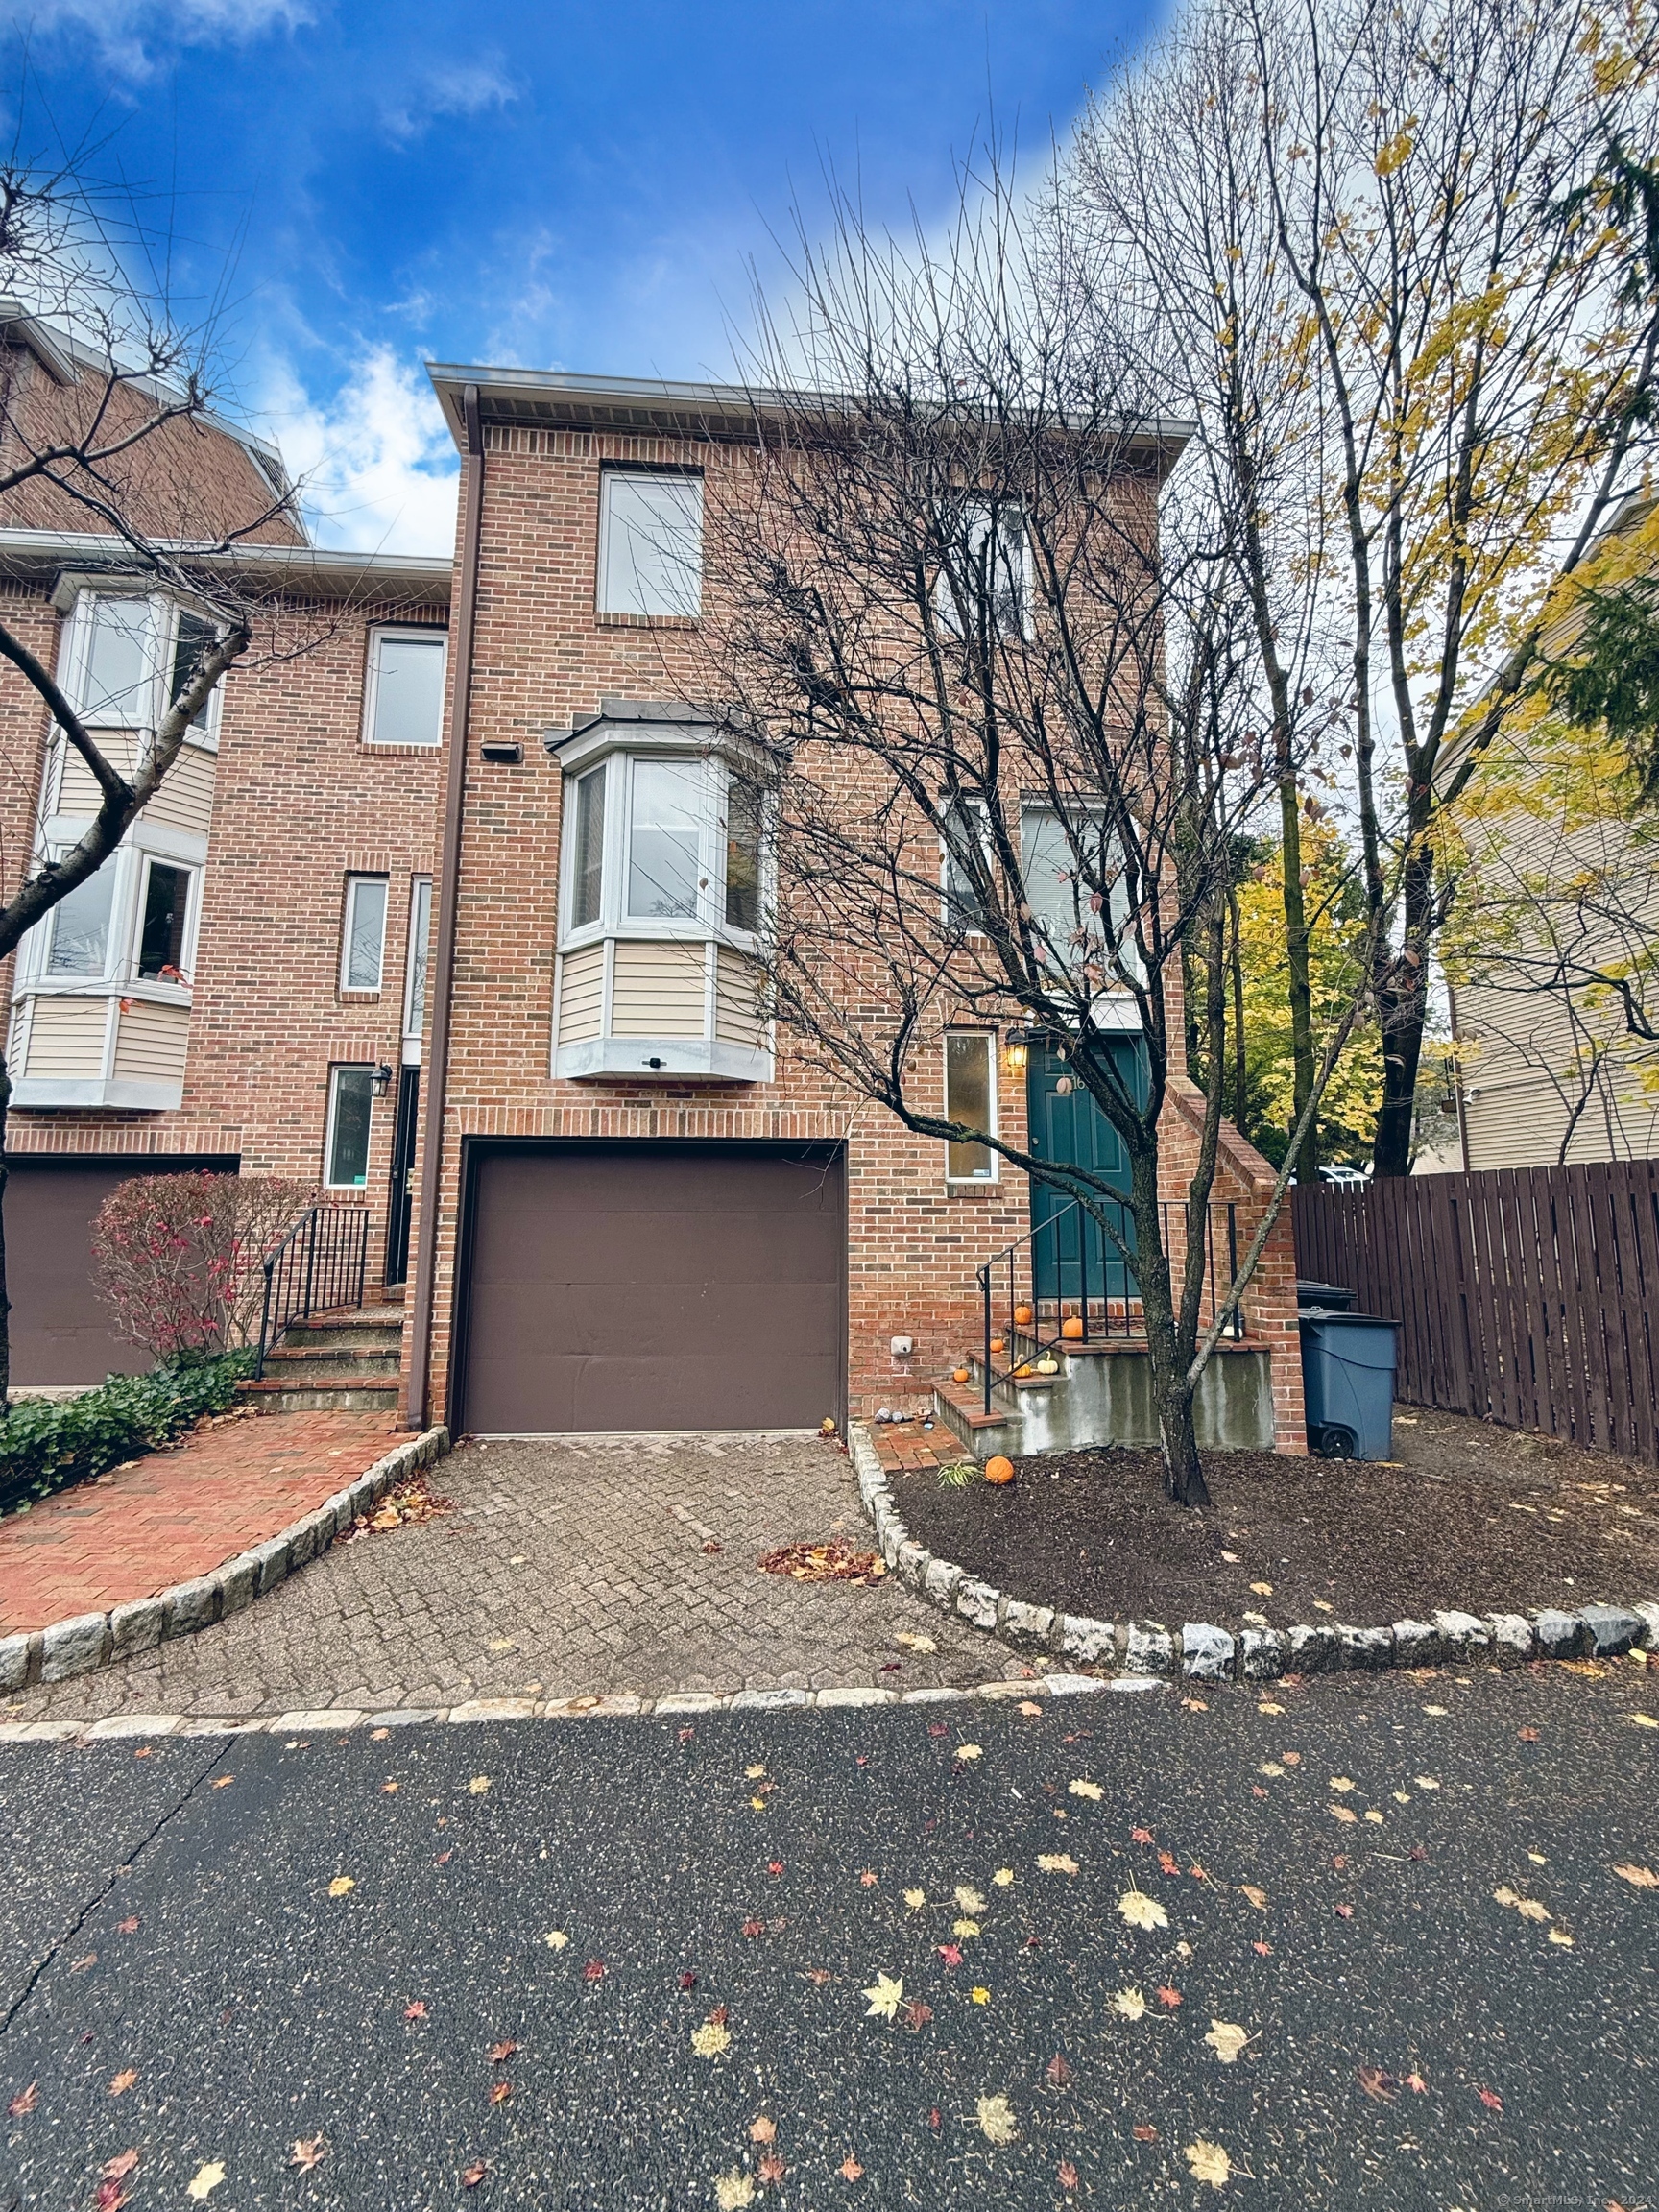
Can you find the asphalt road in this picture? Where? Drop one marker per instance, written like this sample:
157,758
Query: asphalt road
187,1979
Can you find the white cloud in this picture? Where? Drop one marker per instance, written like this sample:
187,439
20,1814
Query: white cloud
377,468
127,32
460,89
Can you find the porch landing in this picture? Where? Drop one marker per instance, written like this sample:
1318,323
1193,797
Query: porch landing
1101,1393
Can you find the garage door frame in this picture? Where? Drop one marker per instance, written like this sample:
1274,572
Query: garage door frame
475,1151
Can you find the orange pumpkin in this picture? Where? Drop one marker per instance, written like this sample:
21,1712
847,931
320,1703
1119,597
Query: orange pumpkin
1022,1316
1071,1327
998,1470
958,1374
997,1344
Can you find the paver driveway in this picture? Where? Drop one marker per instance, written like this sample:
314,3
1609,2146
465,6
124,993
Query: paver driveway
567,1566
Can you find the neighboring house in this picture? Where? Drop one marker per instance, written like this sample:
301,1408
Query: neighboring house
1559,902
647,1210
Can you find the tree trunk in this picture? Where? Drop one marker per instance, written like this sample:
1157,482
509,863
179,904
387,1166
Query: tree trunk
1300,989
1184,1482
1178,1440
1403,1012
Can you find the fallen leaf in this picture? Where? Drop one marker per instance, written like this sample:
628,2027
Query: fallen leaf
1089,1790
1208,2162
499,2092
732,2191
911,1640
1261,1589
1030,1708
206,2179
970,1900
711,2040
1643,1720
773,1865
25,2100
307,2151
478,1785
762,2130
118,2168
120,2084
594,1971
1291,1758
1491,2100
886,1996
1638,1877
1057,1863
1257,1897
1168,1995
981,1996
1344,1911
1168,1862
80,1966
850,2169
964,1926
915,1899
772,2168
1416,2085
387,1789
869,1878
378,1735
444,1857
1262,1950
1426,1782
1142,1911
1226,2039
687,1981
1346,1814
1341,1784
1130,2004
995,2117
1143,2133
753,1928
1067,2175
471,2175
1058,2070
753,1773
129,1926
969,1751
498,2051
341,1885
1140,1836
1527,1734
1379,2084
224,1781
416,2010
1003,1877
1560,1938
555,1938
950,1953
1267,1705
1194,1705
916,2013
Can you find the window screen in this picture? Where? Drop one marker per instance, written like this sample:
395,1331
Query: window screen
161,931
81,926
650,544
969,1098
351,1098
365,948
117,693
408,688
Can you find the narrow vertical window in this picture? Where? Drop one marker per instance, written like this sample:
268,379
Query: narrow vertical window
964,906
192,640
79,941
971,1098
744,811
588,900
346,1151
362,953
415,982
162,928
118,693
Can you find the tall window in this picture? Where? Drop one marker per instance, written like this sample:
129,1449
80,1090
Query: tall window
745,819
590,882
363,951
80,942
117,689
985,576
1065,863
164,913
650,544
960,828
415,979
404,698
664,836
971,1098
345,1150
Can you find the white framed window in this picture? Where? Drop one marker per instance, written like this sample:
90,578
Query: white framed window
129,657
415,967
666,845
77,934
166,915
404,687
985,577
362,937
971,1098
346,1144
650,543
1067,862
963,908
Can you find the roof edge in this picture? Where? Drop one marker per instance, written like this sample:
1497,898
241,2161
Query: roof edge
311,571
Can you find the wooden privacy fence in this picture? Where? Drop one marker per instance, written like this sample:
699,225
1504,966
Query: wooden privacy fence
1526,1295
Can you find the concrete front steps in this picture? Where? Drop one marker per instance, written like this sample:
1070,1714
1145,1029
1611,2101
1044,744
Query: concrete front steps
345,1363
1101,1393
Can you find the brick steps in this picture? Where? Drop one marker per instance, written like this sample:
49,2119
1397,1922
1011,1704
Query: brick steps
339,1362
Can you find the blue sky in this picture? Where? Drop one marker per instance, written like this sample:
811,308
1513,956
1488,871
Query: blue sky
580,185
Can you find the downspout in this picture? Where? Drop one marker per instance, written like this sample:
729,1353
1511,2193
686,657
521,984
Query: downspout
443,972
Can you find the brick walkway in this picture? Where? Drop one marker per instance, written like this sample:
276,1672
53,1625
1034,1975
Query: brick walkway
565,1568
176,1514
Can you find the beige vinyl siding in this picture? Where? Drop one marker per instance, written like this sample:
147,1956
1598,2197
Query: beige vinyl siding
186,799
78,792
66,1039
738,1004
580,995
151,1042
658,991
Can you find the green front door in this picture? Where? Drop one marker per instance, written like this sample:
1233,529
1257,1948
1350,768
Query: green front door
1071,1255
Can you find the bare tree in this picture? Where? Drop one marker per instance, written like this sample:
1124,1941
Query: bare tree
999,726
117,444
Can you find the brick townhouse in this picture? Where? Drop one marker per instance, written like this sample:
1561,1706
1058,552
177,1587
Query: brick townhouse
620,1199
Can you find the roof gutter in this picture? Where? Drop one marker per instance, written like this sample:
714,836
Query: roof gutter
448,891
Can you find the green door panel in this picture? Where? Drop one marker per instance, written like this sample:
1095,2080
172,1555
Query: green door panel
1066,1126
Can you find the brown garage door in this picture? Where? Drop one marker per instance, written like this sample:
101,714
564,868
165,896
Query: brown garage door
60,1329
654,1287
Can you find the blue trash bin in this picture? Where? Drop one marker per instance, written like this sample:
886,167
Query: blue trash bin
1348,1383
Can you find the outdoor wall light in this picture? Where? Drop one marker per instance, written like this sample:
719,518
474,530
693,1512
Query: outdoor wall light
382,1080
1016,1050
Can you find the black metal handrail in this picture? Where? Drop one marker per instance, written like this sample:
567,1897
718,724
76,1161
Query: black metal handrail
318,1265
1096,1317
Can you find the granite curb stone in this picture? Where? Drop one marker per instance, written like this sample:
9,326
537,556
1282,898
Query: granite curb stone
88,1641
1205,1652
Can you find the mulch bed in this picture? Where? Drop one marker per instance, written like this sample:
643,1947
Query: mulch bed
1471,1517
